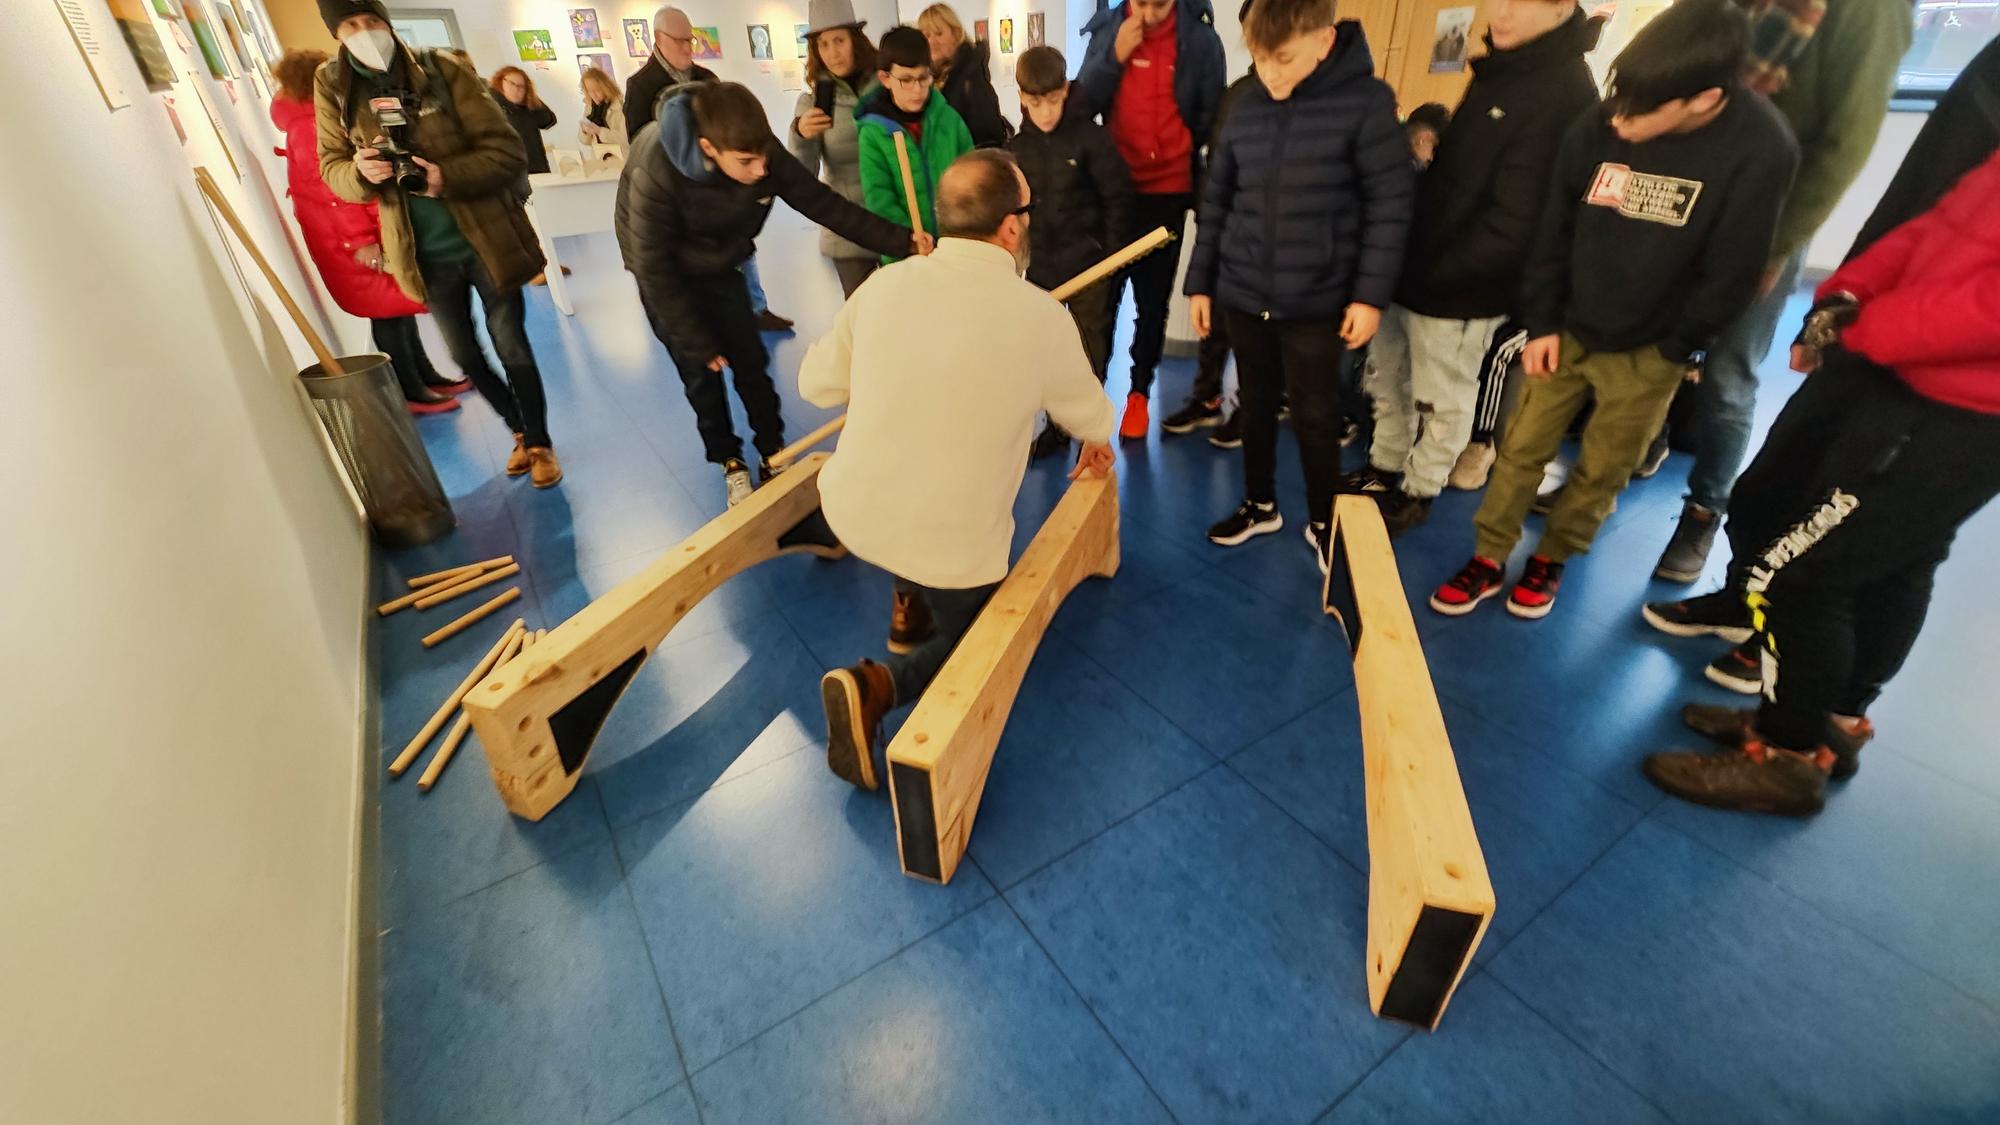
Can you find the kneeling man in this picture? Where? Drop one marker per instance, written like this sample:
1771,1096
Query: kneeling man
945,363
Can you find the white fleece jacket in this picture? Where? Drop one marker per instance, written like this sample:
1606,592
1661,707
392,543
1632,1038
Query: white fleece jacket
944,362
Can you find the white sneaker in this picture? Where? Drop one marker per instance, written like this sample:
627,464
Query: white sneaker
1469,474
736,478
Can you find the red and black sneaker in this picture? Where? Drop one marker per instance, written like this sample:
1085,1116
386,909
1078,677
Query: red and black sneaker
1480,579
1741,669
1535,595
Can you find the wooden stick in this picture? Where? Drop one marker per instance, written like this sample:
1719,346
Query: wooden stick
455,628
486,664
465,585
456,738
909,182
435,576
411,598
1118,260
324,354
432,581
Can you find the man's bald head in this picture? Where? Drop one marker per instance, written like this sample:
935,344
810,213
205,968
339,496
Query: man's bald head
978,193
673,36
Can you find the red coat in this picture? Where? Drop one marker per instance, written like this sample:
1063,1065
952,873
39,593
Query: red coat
334,228
1930,296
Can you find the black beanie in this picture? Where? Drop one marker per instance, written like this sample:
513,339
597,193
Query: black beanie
333,11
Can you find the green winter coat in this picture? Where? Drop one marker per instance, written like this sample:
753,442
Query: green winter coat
945,139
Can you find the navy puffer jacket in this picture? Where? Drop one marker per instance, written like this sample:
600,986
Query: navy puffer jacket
1309,199
1200,71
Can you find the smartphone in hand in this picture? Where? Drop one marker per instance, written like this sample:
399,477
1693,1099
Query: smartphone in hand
823,96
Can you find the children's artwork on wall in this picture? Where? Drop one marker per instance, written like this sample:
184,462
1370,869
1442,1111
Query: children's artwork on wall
535,45
979,31
638,38
144,41
760,41
791,74
1449,41
1006,37
599,59
205,40
707,43
583,27
237,45
799,39
166,10
1037,29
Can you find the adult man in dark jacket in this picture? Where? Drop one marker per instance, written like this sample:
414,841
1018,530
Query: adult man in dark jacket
672,64
1477,206
696,189
1154,71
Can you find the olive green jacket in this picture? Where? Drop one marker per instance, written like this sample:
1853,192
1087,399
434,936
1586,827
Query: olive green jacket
466,136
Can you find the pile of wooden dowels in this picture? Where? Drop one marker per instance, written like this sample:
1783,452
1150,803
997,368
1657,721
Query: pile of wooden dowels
427,590
516,640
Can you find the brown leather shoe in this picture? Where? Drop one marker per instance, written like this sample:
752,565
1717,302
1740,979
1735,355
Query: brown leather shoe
543,468
856,699
910,623
517,461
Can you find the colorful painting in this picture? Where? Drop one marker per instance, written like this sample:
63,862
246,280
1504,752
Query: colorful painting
583,26
979,31
1006,37
760,41
144,41
599,59
707,43
237,40
799,37
1037,29
535,45
638,38
204,39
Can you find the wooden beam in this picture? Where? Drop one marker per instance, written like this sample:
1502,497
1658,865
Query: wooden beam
1429,897
939,760
538,714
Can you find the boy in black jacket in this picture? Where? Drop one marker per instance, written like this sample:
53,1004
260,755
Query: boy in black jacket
1477,206
1657,229
1083,203
1300,240
695,191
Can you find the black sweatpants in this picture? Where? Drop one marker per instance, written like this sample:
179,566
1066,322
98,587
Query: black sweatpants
1299,359
397,337
1152,279
1838,527
1211,359
1092,312
518,399
722,302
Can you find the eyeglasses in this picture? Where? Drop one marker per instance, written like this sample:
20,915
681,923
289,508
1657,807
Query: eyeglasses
917,82
683,40
1024,210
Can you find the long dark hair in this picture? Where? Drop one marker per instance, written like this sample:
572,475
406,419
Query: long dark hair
864,58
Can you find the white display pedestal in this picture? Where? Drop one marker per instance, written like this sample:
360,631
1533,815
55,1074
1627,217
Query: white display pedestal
569,205
1181,342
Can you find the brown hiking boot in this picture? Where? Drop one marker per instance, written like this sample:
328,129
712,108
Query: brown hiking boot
856,699
543,468
909,623
517,461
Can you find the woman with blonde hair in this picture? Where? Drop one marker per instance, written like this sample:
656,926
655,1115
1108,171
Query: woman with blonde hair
515,92
962,69
603,111
840,59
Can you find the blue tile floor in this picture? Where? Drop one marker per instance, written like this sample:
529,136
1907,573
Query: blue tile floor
1163,914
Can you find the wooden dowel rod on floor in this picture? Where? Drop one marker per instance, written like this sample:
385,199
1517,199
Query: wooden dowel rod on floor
465,585
486,664
432,578
410,599
455,628
800,447
516,643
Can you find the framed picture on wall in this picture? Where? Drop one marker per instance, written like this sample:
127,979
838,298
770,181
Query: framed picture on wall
638,38
760,41
707,43
535,45
799,39
583,27
205,39
600,60
1006,37
979,31
1449,40
144,41
1037,29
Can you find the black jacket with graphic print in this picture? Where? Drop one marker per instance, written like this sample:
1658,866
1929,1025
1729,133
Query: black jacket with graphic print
1082,192
1662,242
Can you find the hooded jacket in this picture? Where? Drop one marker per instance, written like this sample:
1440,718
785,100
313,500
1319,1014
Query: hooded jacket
1308,199
968,88
945,139
334,228
1479,201
1200,72
1082,194
680,221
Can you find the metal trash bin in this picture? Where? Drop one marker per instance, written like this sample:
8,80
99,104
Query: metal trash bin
363,412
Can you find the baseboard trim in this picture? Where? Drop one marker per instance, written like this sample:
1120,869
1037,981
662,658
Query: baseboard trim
362,1097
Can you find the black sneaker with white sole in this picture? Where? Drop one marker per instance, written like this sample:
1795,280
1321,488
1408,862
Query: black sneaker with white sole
1367,480
1199,413
1721,614
1246,523
1741,669
1319,536
1656,456
1228,435
1402,511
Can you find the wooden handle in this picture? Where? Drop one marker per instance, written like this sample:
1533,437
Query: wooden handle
517,642
468,584
486,664
436,576
800,447
325,355
1119,259
455,628
411,598
909,182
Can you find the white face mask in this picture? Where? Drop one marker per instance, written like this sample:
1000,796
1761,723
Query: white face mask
374,49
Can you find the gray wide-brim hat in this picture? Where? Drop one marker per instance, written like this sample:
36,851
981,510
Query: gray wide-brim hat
825,15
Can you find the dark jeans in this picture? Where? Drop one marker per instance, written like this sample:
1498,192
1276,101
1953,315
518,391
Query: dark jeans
953,612
1152,279
518,399
1091,309
1299,359
1211,359
722,302
1838,527
397,338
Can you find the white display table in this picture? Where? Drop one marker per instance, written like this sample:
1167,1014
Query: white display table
565,205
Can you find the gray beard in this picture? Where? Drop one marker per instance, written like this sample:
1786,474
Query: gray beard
1021,256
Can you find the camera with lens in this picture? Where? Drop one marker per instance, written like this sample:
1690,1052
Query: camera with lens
398,146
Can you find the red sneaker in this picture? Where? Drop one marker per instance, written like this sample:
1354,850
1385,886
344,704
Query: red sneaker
458,388
442,405
1535,595
1138,418
1481,579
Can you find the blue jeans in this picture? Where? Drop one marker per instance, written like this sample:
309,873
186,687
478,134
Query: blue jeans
758,303
1725,401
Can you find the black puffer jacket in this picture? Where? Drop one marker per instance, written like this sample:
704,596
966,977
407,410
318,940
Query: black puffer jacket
1478,203
680,222
1308,199
1082,192
968,88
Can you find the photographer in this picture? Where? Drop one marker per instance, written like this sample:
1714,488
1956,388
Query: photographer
417,133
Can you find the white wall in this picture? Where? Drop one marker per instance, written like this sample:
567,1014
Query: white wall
182,594
1837,235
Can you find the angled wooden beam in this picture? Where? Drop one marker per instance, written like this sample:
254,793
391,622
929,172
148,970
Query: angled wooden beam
538,714
1429,897
939,760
